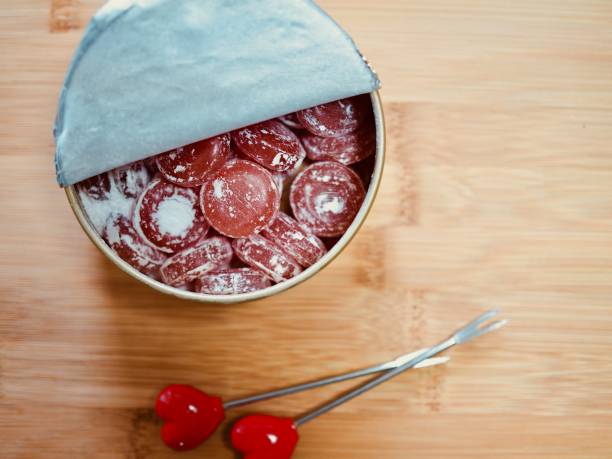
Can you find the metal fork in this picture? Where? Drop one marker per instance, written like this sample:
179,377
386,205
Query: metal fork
338,378
472,330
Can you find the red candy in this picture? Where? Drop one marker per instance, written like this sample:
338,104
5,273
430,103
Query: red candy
346,149
240,199
189,165
190,416
295,240
123,239
261,436
151,164
264,255
231,282
336,118
291,120
97,187
169,217
208,255
325,197
271,144
131,179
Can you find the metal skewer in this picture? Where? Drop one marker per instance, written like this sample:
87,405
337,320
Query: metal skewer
336,379
472,330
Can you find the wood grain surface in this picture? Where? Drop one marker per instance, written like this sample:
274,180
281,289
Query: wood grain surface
497,193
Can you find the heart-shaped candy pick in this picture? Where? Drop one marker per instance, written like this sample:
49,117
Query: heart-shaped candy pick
190,416
265,437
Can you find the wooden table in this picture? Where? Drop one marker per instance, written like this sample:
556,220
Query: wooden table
497,193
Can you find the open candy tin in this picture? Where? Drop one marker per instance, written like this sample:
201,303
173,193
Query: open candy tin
210,147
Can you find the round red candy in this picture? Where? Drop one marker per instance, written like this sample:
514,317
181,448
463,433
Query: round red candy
345,149
262,254
208,255
97,187
240,199
123,239
189,165
291,120
231,282
169,217
336,118
325,198
271,144
131,179
295,240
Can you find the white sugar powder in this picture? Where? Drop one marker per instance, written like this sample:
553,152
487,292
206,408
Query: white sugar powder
219,189
98,210
295,235
278,159
326,203
175,215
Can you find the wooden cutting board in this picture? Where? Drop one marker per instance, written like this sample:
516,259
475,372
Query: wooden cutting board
497,193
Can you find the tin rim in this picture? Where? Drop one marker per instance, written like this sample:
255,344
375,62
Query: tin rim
342,243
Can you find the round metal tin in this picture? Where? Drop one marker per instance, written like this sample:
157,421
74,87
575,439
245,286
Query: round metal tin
75,203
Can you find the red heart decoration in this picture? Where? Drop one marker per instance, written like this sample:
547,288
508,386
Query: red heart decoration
190,416
265,437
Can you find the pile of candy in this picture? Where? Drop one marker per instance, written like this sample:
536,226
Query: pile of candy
240,211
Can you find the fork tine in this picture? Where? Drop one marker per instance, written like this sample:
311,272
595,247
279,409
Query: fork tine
493,326
469,333
485,317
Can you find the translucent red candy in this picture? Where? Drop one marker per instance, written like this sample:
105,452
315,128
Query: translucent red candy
131,179
291,120
123,239
271,144
97,187
240,198
336,118
208,255
325,197
169,217
265,256
231,282
189,165
346,149
295,240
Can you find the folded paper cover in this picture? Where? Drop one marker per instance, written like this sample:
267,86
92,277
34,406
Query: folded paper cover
152,75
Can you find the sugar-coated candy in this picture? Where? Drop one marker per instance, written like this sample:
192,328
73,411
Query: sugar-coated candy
169,217
97,187
265,256
295,240
325,197
189,165
271,144
240,198
101,197
291,120
131,179
335,118
207,255
346,149
231,281
125,241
